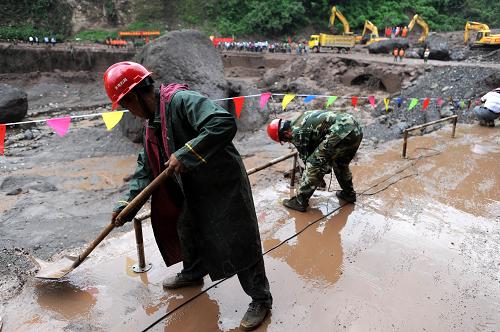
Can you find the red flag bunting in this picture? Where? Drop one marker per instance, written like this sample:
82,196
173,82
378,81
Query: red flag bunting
238,105
425,104
354,101
371,99
2,138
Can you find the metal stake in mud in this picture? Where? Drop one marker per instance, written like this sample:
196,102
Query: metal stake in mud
141,266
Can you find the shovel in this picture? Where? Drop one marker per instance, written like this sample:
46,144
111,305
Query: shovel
58,269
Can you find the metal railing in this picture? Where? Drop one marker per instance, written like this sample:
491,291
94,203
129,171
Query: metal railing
406,131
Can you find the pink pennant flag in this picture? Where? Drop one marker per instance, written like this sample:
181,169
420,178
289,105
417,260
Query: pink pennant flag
425,104
354,101
59,125
371,99
439,102
264,98
3,129
238,105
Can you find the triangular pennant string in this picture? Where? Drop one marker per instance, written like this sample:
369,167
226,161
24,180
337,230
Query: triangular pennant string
413,103
386,103
331,100
286,100
3,129
439,102
238,105
263,99
469,104
308,99
425,104
111,119
462,104
371,99
354,101
399,101
59,125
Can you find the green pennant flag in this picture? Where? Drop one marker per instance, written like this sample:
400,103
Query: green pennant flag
331,100
413,103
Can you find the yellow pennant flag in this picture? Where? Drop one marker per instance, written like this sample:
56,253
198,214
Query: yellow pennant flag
287,99
386,103
111,119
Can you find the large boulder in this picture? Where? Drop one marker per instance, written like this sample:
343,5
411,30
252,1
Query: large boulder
388,45
438,45
185,56
251,116
13,104
458,54
415,53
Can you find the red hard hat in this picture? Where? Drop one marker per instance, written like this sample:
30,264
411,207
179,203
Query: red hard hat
273,129
121,77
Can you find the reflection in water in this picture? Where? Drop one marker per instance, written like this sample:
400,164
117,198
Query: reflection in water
65,299
317,255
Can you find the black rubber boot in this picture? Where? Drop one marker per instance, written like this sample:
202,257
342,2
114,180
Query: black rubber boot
254,316
294,204
179,281
350,198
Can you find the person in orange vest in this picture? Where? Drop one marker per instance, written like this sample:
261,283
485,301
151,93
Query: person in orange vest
395,53
401,54
404,32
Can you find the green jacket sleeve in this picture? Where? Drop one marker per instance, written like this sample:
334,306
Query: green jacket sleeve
139,181
216,128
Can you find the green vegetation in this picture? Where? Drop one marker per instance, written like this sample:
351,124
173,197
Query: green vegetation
250,18
40,18
95,35
281,17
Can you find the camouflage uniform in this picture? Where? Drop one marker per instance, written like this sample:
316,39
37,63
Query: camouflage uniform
325,140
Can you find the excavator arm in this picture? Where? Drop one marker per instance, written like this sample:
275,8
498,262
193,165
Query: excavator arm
343,20
425,27
370,27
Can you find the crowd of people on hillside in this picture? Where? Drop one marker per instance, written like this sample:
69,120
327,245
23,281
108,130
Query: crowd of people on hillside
396,32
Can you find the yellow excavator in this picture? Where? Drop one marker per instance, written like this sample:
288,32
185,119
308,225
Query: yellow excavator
373,36
343,20
338,43
425,27
484,38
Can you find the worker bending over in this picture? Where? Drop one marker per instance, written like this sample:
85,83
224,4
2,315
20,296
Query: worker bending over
490,110
204,213
324,140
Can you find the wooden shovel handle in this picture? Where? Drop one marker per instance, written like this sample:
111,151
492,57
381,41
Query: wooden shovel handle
136,203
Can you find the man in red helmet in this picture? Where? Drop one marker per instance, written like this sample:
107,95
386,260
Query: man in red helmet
324,140
204,215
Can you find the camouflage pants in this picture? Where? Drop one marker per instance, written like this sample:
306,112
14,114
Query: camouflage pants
334,154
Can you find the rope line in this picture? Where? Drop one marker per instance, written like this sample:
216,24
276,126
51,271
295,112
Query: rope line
220,99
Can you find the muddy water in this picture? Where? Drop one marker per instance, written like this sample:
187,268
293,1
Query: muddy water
420,254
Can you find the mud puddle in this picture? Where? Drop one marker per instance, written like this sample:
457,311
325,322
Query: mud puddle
421,253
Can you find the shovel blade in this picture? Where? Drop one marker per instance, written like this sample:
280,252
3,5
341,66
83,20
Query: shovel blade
54,270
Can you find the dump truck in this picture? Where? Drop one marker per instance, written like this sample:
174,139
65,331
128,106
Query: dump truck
338,43
484,38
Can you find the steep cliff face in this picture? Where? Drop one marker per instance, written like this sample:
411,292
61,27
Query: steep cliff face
65,17
92,14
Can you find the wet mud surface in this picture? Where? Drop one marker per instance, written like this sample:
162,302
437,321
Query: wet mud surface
419,251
